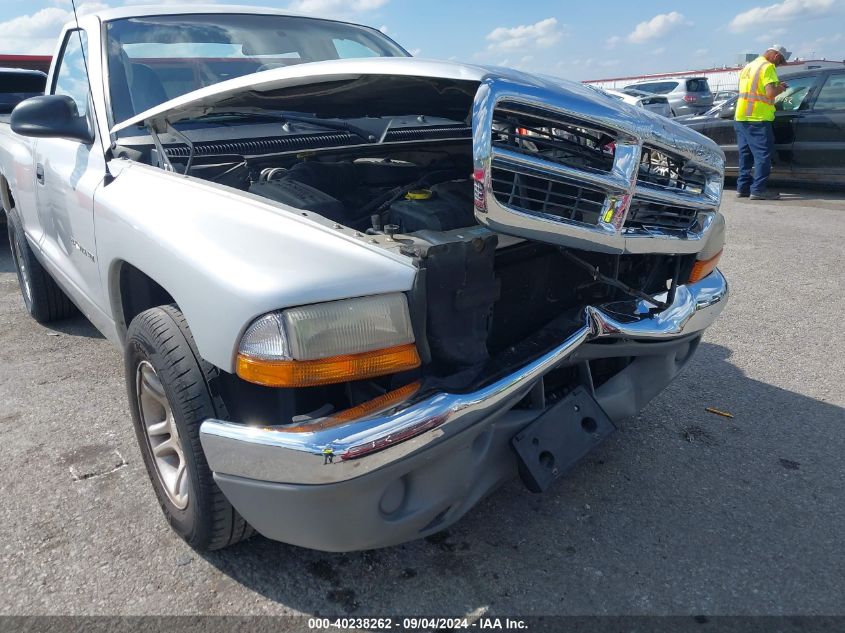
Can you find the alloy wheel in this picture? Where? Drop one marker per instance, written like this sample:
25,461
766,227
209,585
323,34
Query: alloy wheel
162,435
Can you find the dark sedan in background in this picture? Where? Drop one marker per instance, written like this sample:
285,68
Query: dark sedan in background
809,128
17,84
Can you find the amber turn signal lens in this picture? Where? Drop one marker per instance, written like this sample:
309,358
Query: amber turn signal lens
703,268
326,371
385,401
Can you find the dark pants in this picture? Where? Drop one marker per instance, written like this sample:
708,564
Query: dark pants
755,141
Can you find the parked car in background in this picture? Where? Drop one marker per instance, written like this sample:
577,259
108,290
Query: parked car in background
655,103
723,110
17,84
809,128
690,95
723,95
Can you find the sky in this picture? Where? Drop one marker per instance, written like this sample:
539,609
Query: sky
576,40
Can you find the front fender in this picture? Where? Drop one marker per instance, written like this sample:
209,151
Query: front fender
227,258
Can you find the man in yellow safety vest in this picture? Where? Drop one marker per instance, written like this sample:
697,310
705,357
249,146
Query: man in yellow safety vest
755,113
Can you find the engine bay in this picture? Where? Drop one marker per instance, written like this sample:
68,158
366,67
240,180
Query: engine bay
482,293
484,302
373,194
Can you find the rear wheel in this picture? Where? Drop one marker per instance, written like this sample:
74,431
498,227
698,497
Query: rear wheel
43,298
169,395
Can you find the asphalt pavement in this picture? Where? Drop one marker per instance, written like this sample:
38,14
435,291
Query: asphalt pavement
680,512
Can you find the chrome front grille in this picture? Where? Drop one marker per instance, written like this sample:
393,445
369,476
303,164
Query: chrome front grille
544,196
568,169
648,215
529,130
663,169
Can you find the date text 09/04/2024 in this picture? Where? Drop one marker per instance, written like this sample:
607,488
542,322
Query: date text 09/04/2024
417,623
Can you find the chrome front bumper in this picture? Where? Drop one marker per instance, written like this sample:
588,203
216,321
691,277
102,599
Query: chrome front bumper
360,446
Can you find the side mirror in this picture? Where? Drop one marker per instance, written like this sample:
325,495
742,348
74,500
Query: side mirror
51,116
727,113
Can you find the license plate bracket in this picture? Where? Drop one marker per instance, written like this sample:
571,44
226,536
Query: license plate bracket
550,446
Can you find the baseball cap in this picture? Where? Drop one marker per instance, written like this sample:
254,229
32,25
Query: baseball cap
780,49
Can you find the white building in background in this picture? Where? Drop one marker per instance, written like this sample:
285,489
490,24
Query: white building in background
725,78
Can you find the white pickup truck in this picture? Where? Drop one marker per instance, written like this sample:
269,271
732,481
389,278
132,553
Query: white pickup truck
355,291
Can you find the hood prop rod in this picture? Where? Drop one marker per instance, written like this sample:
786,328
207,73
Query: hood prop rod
163,159
186,141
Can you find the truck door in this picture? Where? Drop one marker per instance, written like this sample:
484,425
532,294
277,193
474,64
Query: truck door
820,133
67,174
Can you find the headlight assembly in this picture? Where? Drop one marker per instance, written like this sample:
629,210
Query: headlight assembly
331,342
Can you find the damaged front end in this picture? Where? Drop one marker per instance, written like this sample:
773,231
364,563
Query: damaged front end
582,209
414,460
559,209
555,199
591,223
558,290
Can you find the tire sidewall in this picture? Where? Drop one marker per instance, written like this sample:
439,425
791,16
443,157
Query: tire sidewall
17,237
140,347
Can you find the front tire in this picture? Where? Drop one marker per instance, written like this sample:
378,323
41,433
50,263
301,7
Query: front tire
169,395
43,298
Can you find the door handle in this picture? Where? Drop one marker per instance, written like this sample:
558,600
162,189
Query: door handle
39,173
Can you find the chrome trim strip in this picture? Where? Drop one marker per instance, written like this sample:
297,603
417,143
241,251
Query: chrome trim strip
692,311
675,198
639,241
332,455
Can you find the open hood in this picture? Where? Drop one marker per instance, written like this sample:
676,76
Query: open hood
385,86
402,86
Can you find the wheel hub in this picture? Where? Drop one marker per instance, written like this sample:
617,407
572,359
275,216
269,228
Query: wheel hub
162,435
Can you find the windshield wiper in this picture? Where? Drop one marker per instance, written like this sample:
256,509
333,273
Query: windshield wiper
338,124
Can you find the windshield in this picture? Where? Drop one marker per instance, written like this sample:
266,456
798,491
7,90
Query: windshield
157,58
796,92
697,85
727,105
